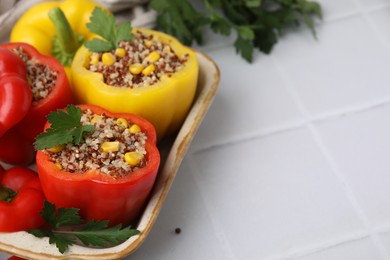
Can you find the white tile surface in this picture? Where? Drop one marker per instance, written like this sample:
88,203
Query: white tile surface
336,9
362,249
307,207
380,19
372,3
346,67
360,145
386,237
185,209
254,90
292,159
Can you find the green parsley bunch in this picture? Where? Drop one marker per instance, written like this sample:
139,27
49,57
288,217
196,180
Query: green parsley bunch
258,23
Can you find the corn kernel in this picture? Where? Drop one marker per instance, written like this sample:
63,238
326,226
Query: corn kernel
121,122
148,70
120,52
56,148
95,119
148,43
153,56
94,59
134,129
108,59
133,158
136,68
110,146
167,49
58,166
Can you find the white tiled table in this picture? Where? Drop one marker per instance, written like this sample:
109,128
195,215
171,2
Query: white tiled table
293,158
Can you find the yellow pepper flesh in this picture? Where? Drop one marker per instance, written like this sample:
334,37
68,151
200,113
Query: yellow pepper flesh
165,104
36,28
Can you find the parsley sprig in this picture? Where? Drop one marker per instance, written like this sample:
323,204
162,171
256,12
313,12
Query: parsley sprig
67,228
65,127
104,24
257,23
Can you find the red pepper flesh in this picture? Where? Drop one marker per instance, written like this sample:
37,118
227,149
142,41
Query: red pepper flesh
22,213
15,92
97,195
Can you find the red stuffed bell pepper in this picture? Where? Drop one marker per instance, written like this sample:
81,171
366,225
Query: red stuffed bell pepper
21,200
108,172
50,89
15,92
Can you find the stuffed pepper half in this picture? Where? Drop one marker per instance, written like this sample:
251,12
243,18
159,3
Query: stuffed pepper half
138,71
48,89
103,163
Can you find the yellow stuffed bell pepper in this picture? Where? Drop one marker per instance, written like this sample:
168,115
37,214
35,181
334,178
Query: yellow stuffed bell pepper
165,103
55,28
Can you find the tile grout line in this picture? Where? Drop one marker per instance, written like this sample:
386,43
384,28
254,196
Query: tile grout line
330,160
273,130
383,229
371,24
356,13
333,115
302,252
219,231
365,13
247,136
348,190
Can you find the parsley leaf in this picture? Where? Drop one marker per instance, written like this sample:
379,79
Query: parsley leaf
67,228
257,23
98,45
244,47
99,234
103,24
65,127
180,19
62,120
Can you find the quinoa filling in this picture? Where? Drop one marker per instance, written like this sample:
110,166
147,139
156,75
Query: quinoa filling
116,148
40,77
137,63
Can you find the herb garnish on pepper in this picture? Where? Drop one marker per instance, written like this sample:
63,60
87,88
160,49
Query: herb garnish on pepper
65,127
104,24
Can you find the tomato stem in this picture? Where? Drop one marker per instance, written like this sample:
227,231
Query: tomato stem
6,194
